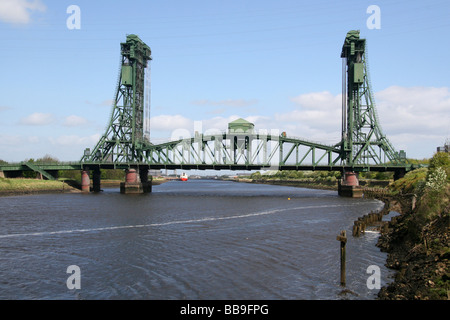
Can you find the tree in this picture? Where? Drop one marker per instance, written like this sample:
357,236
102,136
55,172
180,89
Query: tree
439,160
47,159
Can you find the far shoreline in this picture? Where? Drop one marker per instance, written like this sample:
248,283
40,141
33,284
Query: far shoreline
23,186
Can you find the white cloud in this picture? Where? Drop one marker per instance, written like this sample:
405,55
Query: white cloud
217,124
19,11
318,101
414,110
317,117
75,121
42,119
37,119
415,119
74,140
170,123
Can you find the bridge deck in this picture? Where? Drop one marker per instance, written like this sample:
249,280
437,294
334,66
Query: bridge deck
187,166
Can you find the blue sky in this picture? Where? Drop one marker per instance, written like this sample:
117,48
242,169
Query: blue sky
274,63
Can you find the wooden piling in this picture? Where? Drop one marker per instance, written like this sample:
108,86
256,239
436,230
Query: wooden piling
343,239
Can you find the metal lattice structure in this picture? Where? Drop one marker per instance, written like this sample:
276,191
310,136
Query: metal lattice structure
124,138
363,147
239,150
363,142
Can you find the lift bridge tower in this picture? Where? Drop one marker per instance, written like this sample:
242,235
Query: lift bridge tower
363,141
127,133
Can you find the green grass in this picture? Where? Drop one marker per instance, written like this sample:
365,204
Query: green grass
24,185
410,182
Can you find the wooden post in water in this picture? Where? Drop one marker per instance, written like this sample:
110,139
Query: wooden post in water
343,239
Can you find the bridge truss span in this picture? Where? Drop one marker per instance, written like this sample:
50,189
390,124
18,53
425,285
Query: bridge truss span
241,151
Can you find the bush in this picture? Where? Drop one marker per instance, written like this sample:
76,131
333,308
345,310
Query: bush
436,180
440,160
435,193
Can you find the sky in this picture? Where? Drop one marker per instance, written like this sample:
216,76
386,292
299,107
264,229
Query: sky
274,63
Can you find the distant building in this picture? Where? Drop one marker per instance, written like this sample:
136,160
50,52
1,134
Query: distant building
445,148
154,173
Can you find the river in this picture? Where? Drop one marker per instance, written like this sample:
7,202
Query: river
200,239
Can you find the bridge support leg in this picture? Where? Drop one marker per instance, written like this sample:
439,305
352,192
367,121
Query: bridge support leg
398,174
349,185
96,180
133,182
85,181
146,181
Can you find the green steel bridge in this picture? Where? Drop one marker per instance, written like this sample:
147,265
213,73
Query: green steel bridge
126,142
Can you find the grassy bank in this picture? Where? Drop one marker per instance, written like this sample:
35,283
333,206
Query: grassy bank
418,241
313,183
27,186
30,186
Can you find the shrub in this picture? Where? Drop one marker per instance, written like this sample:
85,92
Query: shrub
440,160
436,180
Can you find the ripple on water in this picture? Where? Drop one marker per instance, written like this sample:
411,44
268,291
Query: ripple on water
195,240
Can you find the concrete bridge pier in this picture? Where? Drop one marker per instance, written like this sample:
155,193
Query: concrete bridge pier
348,186
136,181
85,181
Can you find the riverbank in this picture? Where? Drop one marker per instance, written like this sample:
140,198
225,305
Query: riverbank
22,186
419,252
321,184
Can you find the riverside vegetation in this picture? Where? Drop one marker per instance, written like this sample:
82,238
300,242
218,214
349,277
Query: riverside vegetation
417,241
25,186
68,180
316,179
